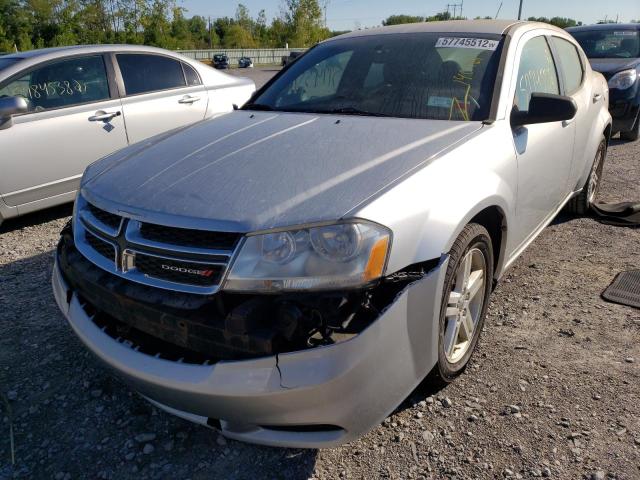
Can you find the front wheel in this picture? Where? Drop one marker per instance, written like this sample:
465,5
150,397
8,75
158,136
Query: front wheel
465,299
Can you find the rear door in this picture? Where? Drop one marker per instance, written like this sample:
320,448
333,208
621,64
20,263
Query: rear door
74,118
572,66
160,93
544,151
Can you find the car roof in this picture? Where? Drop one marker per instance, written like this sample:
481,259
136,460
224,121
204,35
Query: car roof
55,51
494,27
605,26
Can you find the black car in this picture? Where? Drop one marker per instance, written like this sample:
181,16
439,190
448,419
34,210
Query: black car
614,50
245,62
220,61
287,59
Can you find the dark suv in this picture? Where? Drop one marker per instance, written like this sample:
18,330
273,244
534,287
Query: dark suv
614,50
220,61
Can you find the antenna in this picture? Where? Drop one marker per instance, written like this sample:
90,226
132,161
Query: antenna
520,11
498,12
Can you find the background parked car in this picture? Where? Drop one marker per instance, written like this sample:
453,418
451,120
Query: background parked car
245,62
61,109
287,59
221,61
614,51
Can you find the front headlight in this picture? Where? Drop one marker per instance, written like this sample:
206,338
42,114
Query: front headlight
327,257
623,80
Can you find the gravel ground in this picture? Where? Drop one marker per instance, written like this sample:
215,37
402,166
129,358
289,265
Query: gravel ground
551,392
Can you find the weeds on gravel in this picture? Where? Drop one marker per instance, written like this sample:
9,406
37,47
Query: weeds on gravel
5,401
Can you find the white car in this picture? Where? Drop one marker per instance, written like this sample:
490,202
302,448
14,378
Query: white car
288,273
64,108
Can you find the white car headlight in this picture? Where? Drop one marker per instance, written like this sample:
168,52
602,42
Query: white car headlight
623,80
327,257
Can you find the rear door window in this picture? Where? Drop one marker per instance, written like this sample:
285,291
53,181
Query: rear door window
143,73
570,64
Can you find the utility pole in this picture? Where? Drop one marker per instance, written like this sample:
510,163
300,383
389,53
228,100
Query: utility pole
210,39
520,11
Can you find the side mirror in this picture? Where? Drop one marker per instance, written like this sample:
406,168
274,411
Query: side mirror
545,108
10,106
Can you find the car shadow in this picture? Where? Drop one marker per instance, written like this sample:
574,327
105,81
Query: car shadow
37,218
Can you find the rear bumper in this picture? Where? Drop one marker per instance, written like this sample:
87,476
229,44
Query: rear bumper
313,398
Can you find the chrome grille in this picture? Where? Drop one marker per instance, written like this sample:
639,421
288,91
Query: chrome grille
188,237
109,219
105,249
187,260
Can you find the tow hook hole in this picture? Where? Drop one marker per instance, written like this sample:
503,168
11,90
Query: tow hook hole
214,423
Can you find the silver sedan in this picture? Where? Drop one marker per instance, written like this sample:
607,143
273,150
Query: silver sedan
290,272
64,108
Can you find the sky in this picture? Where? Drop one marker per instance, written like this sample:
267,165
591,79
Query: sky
350,14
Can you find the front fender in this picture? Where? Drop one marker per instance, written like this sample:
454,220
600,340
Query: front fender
427,211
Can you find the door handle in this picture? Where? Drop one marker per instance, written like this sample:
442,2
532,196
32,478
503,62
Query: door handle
188,99
102,116
597,97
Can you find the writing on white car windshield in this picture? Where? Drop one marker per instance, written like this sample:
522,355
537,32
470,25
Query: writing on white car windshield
409,75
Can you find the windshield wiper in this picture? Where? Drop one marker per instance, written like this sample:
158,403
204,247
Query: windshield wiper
258,106
353,111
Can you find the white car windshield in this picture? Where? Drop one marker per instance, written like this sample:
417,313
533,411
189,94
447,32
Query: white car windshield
410,75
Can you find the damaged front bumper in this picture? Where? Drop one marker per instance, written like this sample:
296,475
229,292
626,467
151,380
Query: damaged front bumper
319,397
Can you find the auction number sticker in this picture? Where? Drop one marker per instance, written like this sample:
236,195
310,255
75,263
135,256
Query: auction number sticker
463,42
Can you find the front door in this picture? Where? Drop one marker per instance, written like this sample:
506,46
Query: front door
162,93
72,121
544,151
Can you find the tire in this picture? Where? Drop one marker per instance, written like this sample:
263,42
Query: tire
581,203
473,245
633,134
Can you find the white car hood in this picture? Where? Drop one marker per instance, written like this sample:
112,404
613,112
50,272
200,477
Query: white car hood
249,171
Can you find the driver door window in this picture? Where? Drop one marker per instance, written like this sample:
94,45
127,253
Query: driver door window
61,84
536,73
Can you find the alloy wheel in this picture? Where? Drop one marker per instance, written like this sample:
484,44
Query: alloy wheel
596,174
465,304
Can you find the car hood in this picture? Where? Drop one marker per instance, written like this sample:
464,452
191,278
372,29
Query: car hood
613,65
250,171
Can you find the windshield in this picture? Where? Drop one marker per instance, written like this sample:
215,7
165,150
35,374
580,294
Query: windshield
6,62
417,75
609,43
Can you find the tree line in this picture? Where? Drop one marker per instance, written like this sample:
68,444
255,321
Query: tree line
29,24
561,22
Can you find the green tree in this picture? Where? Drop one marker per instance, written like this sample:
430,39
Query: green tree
561,22
400,19
237,37
180,32
305,21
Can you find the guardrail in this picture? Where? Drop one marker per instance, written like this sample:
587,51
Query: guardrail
262,56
